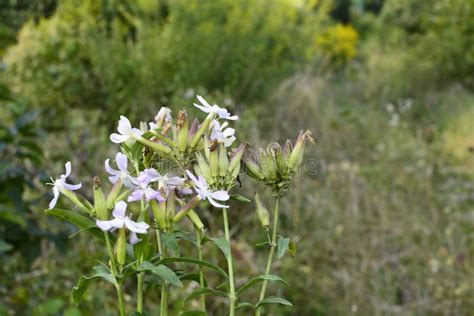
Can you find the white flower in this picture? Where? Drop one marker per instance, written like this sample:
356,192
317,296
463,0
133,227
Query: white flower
164,114
201,187
222,133
126,131
120,221
122,173
221,112
59,185
164,181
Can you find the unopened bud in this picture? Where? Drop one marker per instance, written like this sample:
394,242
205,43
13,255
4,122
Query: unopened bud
214,160
194,218
121,246
234,163
100,205
183,130
159,212
202,129
252,167
262,212
114,193
267,164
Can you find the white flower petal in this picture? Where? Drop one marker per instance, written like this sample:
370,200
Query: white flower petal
202,108
117,138
139,228
68,169
133,239
122,161
119,210
220,195
124,126
72,187
215,203
203,102
55,198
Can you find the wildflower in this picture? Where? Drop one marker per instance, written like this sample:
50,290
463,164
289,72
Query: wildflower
222,133
120,221
60,185
122,172
143,189
221,112
164,181
126,131
202,188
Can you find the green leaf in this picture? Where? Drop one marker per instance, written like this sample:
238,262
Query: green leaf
260,278
82,222
262,244
244,305
171,244
240,198
283,244
204,291
181,234
162,271
100,272
193,313
274,300
194,261
223,245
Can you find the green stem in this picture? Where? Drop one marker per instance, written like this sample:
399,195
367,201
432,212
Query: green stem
164,287
140,292
273,245
118,286
201,270
230,266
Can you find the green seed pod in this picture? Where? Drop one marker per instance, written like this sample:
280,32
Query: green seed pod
223,160
183,130
157,147
203,166
114,193
251,166
78,200
267,164
121,246
100,205
262,212
202,129
159,212
170,208
194,218
296,155
185,209
234,163
214,161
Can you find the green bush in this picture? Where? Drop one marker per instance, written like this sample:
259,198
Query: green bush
138,55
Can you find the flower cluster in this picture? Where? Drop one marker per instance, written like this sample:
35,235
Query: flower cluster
164,170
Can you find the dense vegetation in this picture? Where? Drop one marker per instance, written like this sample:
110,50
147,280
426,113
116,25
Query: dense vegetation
383,214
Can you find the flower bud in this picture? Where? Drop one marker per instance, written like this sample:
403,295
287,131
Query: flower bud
262,212
223,161
157,147
296,156
186,209
183,130
100,205
121,246
193,130
170,208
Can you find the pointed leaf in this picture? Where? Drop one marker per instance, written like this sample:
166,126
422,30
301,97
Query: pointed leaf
240,198
81,221
171,244
205,291
194,261
223,245
162,271
100,272
244,305
260,278
283,244
274,300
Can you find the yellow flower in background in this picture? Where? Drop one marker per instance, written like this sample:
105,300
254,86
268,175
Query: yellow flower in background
339,42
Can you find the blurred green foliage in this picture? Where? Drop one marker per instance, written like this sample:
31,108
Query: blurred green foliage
382,214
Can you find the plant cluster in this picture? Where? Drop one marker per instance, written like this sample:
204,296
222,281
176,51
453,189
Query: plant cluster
165,169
